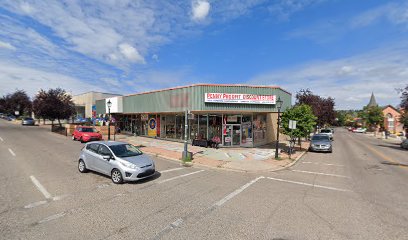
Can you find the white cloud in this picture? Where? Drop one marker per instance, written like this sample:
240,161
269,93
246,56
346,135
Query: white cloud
155,57
26,7
395,13
131,53
7,45
200,9
283,9
31,80
349,80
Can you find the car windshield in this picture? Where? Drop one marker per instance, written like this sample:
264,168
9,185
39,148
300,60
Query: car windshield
325,131
319,138
28,119
89,130
125,150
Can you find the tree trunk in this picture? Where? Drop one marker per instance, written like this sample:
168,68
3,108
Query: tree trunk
59,122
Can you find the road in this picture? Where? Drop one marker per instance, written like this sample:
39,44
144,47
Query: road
352,193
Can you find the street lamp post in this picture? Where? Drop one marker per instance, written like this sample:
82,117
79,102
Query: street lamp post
279,106
109,104
185,155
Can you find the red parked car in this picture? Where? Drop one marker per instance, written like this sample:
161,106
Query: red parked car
86,134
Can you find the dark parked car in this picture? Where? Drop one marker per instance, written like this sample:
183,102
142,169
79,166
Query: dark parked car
321,143
28,121
404,144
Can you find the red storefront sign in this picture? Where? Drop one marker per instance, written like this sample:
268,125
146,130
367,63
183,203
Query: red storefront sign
239,98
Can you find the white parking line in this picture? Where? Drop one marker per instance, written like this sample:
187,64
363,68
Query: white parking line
319,173
41,188
171,170
36,204
180,221
326,164
1,139
52,217
12,153
236,192
308,184
228,156
177,177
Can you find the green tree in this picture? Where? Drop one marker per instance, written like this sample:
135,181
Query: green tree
53,104
372,116
17,101
305,121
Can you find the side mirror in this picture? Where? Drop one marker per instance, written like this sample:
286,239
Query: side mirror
107,157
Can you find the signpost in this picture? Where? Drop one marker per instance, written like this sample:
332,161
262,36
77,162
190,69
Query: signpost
292,125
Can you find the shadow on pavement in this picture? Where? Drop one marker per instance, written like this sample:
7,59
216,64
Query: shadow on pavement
397,147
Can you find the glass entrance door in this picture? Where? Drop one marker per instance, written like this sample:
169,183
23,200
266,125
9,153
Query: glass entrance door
232,136
236,135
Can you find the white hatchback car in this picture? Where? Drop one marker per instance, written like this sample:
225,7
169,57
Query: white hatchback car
121,161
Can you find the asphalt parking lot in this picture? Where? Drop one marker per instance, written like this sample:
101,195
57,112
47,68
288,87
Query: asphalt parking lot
348,194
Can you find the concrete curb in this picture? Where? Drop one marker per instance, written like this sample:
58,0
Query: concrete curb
292,163
228,169
224,168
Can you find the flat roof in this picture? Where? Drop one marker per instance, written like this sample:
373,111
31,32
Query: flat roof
216,85
96,92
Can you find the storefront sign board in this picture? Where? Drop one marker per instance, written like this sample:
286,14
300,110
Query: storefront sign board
239,98
151,131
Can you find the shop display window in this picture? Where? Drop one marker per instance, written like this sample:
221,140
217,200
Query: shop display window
215,128
170,126
202,132
180,122
193,127
246,138
259,128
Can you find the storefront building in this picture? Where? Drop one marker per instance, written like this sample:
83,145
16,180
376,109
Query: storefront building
232,115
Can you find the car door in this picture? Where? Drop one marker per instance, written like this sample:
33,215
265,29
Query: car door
104,165
76,133
91,156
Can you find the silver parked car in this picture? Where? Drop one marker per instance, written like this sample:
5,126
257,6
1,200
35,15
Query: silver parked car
28,121
328,132
121,161
321,143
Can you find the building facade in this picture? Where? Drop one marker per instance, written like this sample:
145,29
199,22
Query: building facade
232,115
391,119
85,103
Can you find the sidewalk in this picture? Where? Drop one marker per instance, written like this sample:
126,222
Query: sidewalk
393,139
238,159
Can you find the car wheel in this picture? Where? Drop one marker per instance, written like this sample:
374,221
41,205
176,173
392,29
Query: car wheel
73,138
116,176
81,166
80,139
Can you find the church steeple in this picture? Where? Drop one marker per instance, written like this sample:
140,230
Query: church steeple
372,102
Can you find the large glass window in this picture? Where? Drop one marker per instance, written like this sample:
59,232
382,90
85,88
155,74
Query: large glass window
180,119
170,126
193,126
259,128
246,129
163,126
202,132
215,128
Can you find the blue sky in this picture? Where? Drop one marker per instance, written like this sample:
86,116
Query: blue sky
340,48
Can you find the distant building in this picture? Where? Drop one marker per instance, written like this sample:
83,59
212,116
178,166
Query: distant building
391,119
391,116
85,102
373,102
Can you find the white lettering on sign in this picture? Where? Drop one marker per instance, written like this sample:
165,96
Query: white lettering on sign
239,98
